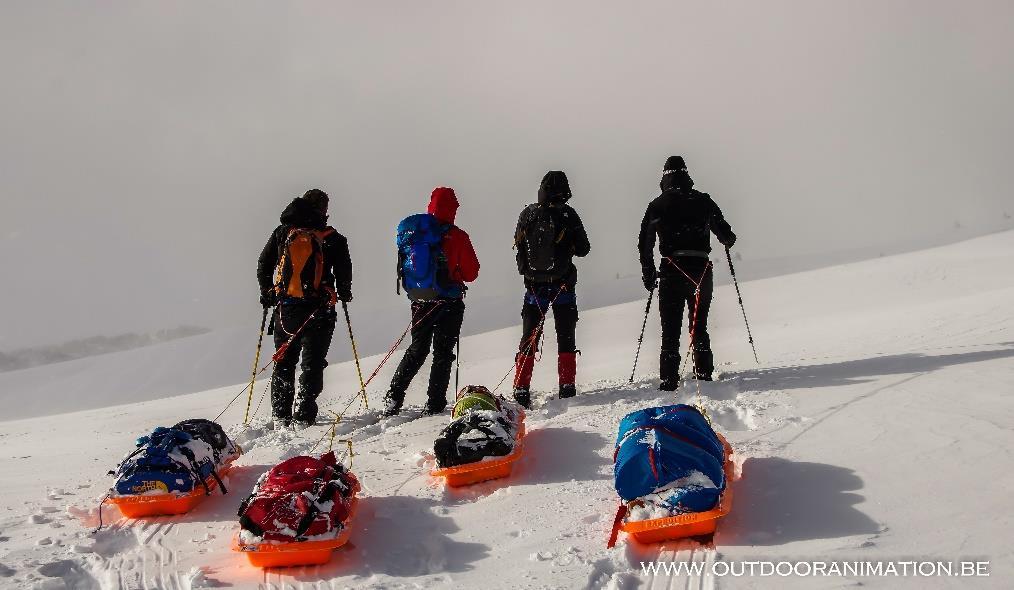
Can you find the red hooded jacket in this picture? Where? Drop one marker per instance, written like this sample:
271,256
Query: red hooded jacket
462,264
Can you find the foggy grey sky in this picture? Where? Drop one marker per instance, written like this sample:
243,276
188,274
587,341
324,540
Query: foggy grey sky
146,149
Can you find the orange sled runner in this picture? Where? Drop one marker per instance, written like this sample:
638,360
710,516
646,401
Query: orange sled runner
296,553
470,473
691,524
140,506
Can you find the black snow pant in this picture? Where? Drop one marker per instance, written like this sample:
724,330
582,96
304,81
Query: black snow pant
437,324
677,291
537,303
312,343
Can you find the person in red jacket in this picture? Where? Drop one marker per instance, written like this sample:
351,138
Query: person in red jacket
436,321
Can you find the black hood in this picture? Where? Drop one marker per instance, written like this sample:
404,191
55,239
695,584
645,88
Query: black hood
302,213
555,188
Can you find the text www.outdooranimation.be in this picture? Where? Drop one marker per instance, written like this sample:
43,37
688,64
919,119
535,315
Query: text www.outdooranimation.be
857,569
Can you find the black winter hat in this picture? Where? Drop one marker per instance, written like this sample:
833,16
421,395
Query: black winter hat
674,164
317,198
675,175
555,186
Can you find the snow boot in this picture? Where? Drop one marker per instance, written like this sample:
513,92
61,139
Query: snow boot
704,365
669,370
523,396
436,401
392,403
566,367
280,423
672,385
301,425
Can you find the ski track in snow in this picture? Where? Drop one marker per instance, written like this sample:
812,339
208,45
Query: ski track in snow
689,552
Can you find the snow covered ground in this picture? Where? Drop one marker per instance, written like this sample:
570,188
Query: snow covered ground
878,426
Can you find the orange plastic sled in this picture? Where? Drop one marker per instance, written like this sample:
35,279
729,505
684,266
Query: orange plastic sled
169,504
691,524
470,473
296,553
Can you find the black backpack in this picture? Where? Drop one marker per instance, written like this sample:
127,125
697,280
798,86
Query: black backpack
207,431
540,236
485,440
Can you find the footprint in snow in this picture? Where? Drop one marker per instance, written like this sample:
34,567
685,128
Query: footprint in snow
71,573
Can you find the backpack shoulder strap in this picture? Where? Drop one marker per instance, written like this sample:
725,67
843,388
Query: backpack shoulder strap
525,219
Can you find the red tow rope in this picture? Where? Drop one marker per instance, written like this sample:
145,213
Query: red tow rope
620,513
283,348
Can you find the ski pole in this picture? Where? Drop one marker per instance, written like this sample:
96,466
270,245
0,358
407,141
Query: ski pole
732,270
355,353
644,324
257,361
457,364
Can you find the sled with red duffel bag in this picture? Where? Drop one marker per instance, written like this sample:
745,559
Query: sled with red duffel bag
299,513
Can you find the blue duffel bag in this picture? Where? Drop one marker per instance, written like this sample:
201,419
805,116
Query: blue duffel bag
668,449
175,460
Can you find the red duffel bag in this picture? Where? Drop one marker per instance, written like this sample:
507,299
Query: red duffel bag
299,499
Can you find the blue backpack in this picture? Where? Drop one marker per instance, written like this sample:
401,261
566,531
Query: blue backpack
656,447
422,267
172,460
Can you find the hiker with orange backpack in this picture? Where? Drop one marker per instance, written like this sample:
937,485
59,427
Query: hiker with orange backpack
303,271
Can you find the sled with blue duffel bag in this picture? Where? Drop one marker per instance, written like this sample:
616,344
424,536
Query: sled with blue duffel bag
672,473
173,469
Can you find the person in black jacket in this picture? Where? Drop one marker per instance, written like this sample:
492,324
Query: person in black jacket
683,219
303,270
549,235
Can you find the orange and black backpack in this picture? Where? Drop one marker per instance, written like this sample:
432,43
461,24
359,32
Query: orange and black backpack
300,267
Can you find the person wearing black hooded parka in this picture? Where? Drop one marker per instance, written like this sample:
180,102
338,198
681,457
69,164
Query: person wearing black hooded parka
306,301
549,235
683,220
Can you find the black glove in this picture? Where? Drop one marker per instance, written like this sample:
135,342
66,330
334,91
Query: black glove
268,298
345,296
648,277
728,243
